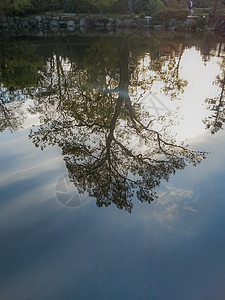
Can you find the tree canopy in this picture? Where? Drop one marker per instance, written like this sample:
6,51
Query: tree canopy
94,6
9,6
102,4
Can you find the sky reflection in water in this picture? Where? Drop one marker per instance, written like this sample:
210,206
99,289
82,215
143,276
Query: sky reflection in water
172,248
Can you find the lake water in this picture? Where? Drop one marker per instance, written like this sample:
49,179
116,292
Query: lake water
112,167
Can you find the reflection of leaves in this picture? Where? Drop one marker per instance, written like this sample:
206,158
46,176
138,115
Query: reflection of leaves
91,109
19,72
11,114
217,106
108,140
101,63
107,165
19,66
167,67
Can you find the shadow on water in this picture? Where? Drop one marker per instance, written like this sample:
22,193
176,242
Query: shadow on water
88,95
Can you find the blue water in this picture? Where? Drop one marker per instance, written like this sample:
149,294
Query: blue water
171,249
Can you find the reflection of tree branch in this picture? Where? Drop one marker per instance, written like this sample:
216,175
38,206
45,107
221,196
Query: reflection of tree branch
170,77
6,115
110,137
126,150
134,119
106,167
11,116
215,122
120,175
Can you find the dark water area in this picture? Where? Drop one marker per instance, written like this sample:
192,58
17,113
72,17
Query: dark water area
112,166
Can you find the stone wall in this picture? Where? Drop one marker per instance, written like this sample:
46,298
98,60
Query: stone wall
72,22
67,21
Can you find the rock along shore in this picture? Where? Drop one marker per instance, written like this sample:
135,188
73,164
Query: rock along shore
73,22
67,21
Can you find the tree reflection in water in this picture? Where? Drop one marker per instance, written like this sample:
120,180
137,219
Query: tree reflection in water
109,140
19,66
217,106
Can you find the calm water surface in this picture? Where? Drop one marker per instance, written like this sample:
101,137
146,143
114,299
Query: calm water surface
112,167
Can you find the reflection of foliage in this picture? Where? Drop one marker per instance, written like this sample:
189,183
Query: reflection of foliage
167,67
88,103
19,66
108,140
18,73
217,106
101,63
103,160
11,113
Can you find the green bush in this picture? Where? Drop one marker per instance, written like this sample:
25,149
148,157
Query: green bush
163,17
9,7
148,7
